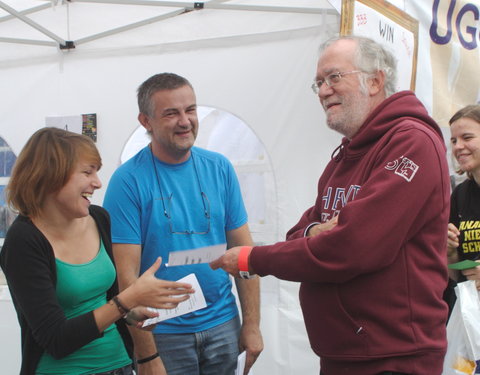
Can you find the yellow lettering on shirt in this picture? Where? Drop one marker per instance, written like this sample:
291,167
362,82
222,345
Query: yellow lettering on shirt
471,235
471,247
469,224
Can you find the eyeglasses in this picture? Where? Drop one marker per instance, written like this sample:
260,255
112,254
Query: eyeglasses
167,213
331,79
206,213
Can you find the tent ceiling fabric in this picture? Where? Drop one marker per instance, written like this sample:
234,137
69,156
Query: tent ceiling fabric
81,21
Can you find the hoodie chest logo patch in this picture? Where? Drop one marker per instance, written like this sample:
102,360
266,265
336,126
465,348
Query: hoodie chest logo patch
403,167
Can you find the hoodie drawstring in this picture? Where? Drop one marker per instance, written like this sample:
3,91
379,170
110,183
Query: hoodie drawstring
339,152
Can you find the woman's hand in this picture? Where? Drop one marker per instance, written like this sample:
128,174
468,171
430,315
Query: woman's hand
148,290
137,316
452,239
473,274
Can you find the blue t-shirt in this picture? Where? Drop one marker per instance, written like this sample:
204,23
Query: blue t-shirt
134,201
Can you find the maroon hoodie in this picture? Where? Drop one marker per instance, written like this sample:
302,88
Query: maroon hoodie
371,291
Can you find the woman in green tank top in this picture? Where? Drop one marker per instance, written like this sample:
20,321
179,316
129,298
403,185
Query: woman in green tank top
58,262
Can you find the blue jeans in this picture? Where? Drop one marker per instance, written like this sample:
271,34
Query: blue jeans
210,352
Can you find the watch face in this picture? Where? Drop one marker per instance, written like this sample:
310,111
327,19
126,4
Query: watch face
245,275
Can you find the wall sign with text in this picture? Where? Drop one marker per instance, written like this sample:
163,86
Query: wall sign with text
85,124
388,25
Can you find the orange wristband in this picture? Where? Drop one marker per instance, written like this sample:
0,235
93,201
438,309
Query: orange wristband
243,262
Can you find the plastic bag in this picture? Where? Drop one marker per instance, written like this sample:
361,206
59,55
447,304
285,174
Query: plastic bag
463,332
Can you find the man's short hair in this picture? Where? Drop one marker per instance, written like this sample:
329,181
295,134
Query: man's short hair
158,82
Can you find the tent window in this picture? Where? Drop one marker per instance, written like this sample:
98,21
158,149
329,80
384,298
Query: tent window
227,134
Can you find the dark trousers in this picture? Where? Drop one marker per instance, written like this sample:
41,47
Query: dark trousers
127,370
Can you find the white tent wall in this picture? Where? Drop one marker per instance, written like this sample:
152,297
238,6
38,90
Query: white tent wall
256,65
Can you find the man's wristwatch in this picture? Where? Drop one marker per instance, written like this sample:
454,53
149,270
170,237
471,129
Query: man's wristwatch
243,262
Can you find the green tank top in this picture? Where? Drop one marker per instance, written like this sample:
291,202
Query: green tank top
82,288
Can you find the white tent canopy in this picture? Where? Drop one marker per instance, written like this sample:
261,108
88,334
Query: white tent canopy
249,60
82,21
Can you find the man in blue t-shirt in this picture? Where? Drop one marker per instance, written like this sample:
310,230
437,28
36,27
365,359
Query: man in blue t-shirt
172,196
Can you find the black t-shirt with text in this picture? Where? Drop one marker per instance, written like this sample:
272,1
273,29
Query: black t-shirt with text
465,215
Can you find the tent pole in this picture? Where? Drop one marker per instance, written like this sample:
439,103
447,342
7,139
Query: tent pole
213,5
29,41
26,11
33,24
129,27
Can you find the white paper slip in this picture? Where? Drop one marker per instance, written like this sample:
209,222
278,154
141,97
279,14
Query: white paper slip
242,358
195,302
196,256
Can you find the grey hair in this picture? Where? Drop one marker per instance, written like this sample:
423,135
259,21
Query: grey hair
157,82
371,57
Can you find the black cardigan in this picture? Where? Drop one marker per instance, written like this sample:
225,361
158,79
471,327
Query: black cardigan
28,261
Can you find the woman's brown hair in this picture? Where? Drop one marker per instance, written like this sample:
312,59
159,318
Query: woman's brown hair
473,113
45,165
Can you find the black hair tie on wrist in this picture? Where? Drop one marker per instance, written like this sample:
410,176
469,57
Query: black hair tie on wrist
121,307
148,359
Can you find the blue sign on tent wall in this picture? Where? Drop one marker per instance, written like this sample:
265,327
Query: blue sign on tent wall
7,159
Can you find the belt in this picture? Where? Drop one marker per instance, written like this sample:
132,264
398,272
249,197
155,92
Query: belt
117,371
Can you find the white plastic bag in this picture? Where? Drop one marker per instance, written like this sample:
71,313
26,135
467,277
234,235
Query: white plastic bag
463,332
